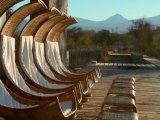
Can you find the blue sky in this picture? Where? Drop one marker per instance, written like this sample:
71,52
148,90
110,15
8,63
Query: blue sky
102,9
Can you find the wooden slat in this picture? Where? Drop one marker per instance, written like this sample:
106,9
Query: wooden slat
32,25
45,28
56,30
18,16
6,4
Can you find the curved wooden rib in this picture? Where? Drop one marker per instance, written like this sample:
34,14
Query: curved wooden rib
18,16
33,25
42,112
10,26
38,64
54,34
72,21
56,31
50,111
42,32
14,110
59,27
55,105
11,109
6,4
52,9
48,77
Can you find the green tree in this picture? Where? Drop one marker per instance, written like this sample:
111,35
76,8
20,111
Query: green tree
85,41
143,33
102,39
78,38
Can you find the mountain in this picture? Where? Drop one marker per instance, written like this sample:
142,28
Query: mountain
116,23
154,20
86,24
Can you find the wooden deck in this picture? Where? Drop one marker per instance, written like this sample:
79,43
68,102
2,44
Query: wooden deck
147,94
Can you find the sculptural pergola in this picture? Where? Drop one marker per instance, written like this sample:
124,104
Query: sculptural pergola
62,6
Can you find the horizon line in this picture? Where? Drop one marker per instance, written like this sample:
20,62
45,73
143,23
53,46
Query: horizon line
117,14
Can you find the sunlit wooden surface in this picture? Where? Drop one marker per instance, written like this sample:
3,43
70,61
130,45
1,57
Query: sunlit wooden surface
147,93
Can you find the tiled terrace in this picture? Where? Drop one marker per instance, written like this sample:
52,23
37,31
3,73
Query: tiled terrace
147,88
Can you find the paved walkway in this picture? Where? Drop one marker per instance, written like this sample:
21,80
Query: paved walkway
124,65
147,93
154,61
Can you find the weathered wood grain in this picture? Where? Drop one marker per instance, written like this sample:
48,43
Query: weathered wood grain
147,88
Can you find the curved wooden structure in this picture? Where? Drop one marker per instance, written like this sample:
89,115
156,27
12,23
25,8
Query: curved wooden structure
32,26
44,29
30,29
15,82
58,105
39,57
35,99
18,16
92,75
65,71
55,30
59,28
11,109
40,60
54,67
34,81
13,22
6,4
54,34
34,76
58,74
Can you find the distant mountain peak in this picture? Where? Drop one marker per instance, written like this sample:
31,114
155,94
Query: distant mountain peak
115,23
116,16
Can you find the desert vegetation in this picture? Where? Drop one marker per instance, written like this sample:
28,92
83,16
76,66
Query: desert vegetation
141,38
